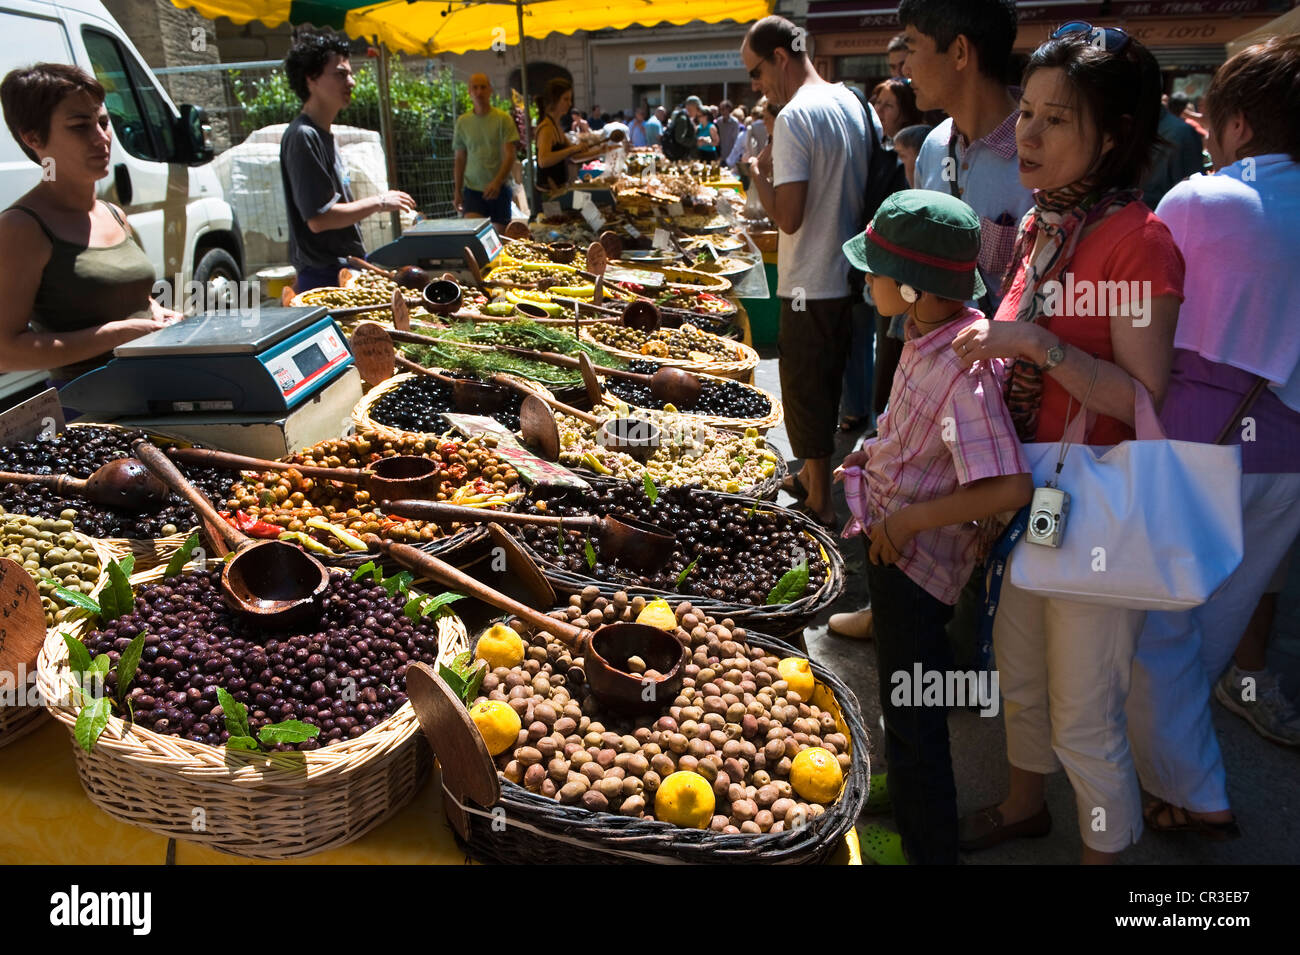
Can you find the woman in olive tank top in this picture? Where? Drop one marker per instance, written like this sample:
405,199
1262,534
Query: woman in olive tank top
76,283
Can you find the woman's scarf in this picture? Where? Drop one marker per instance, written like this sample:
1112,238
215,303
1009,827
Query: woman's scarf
1062,215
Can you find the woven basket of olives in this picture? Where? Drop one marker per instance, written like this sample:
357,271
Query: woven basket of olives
694,453
469,473
150,536
723,402
686,347
583,784
281,796
55,555
733,554
411,404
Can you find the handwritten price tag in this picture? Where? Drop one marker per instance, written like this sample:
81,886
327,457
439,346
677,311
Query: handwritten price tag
632,230
581,200
593,217
662,240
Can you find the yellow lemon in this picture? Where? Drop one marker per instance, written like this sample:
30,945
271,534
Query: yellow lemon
797,672
685,799
500,647
497,723
658,614
816,775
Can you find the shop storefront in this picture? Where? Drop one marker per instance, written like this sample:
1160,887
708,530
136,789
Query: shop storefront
1188,38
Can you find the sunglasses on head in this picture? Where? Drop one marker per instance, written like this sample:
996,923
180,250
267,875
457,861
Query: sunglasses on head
1111,39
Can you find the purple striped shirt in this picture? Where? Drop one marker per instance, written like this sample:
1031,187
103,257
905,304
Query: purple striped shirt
946,426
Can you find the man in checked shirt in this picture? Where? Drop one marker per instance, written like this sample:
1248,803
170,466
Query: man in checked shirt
946,456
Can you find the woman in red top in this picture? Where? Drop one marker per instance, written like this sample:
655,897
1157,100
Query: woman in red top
1090,313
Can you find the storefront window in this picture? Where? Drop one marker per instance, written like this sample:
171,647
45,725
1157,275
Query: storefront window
864,72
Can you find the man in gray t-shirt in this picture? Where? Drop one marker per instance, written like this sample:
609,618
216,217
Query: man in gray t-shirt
322,214
811,179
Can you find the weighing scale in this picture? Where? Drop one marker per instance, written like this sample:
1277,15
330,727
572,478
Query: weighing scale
440,244
265,383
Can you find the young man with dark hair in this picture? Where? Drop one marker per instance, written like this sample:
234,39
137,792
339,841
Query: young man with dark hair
323,216
811,179
957,55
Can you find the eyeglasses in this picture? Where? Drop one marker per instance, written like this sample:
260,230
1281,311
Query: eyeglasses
757,71
1111,39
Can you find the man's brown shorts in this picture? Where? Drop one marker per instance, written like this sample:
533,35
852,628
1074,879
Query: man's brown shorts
814,345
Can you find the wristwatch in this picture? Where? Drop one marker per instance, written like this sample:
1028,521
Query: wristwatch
1055,355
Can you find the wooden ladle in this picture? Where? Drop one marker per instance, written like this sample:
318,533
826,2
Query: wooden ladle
668,384
605,651
270,582
123,483
377,360
632,543
401,476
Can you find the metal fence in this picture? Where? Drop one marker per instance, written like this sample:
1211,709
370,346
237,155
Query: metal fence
241,98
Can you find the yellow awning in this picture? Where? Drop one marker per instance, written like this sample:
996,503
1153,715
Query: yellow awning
429,27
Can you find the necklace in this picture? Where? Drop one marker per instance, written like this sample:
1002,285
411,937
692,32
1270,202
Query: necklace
941,321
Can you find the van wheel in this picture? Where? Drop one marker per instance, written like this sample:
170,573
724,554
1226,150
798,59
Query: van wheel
219,274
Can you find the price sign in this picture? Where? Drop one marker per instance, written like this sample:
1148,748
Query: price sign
593,217
581,200
632,230
39,418
550,209
662,240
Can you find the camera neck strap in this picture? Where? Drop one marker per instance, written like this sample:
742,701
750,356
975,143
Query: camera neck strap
1064,445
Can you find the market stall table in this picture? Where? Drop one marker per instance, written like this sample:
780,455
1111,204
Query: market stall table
50,821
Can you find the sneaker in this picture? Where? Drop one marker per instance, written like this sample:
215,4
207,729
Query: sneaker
1262,704
856,625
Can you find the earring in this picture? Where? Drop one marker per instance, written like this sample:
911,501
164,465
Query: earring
909,294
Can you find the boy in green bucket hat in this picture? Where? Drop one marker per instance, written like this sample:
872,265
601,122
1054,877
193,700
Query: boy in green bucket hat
945,457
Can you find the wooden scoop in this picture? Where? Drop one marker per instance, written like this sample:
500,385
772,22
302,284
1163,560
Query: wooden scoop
401,476
632,543
605,652
270,582
667,384
123,483
377,360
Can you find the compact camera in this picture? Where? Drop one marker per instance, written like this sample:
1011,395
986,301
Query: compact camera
1047,514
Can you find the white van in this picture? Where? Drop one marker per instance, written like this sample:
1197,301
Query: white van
160,173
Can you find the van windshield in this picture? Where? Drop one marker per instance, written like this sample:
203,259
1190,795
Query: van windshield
141,119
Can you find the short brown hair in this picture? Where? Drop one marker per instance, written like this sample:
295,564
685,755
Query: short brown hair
31,94
1262,83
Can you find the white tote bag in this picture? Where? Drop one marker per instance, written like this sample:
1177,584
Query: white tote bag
1153,524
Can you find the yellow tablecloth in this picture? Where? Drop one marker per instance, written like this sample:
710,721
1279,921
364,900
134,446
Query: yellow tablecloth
47,819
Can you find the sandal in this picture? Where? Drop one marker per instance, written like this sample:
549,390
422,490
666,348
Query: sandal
878,801
1178,819
803,508
881,846
794,487
985,828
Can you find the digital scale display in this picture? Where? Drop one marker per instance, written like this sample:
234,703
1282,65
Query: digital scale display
491,242
303,359
310,360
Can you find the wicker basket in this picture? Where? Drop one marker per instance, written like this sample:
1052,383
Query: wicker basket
262,806
741,367
762,425
765,490
780,619
361,413
527,825
148,552
18,721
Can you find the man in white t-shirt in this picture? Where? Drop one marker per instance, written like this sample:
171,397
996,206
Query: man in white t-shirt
810,179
